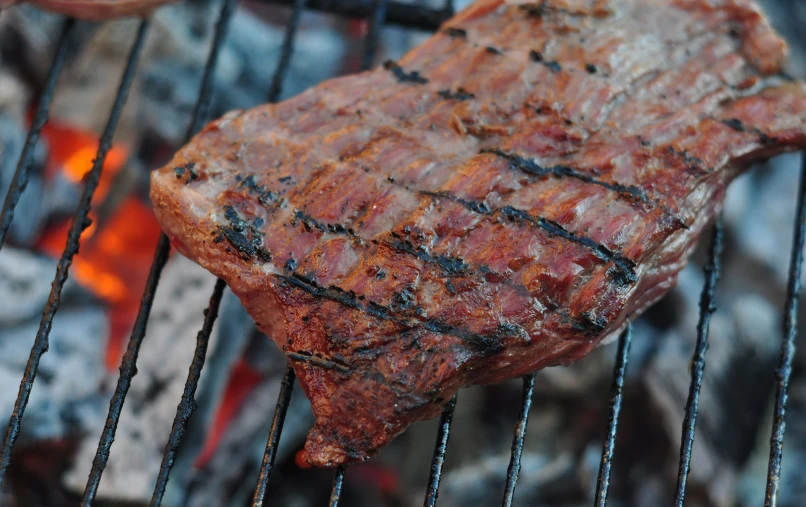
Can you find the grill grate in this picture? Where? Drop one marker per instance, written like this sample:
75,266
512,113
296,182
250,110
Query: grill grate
784,371
619,372
379,12
707,308
517,441
79,223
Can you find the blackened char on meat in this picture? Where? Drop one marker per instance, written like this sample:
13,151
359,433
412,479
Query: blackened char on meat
463,215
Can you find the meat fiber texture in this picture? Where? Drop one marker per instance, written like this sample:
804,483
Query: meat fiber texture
503,198
96,10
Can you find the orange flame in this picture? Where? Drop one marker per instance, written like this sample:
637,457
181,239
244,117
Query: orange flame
114,261
115,264
243,379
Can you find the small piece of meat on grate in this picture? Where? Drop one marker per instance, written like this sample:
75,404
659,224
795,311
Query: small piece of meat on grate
95,9
468,214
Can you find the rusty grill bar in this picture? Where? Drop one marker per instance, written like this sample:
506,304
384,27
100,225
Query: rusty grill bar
378,12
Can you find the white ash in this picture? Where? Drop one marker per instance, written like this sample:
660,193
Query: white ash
753,480
246,65
29,213
236,327
65,400
760,209
148,413
481,483
735,389
231,475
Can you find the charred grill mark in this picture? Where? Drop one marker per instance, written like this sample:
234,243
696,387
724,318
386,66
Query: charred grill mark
190,169
485,344
318,361
537,56
693,165
737,125
591,324
630,191
403,76
459,94
456,33
537,9
452,266
243,236
533,168
264,196
311,223
624,265
476,206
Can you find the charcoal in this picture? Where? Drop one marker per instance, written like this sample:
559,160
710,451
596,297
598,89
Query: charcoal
29,215
150,407
736,388
235,329
762,197
28,40
247,63
66,399
229,477
481,483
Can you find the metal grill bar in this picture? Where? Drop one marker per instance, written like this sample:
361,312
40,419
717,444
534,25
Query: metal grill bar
335,492
397,13
517,442
285,53
79,223
784,371
266,467
707,308
439,453
20,179
287,385
609,445
128,367
374,34
188,402
371,44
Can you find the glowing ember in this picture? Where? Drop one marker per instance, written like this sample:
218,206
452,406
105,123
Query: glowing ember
115,257
72,152
242,381
113,263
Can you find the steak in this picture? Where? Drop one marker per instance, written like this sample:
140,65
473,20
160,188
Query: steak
95,9
504,198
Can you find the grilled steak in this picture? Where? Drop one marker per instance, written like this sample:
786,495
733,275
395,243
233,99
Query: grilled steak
503,198
95,9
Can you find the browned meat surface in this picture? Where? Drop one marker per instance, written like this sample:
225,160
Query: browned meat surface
95,9
503,198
